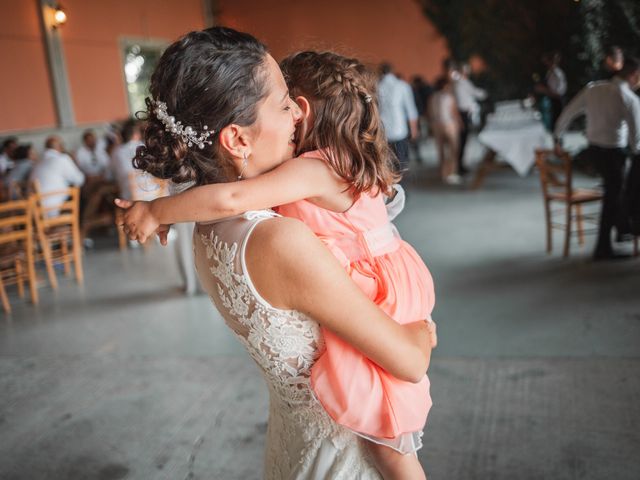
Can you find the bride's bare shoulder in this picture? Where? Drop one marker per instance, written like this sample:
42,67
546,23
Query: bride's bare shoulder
281,255
282,236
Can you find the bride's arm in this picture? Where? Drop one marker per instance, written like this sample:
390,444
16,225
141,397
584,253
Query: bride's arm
292,269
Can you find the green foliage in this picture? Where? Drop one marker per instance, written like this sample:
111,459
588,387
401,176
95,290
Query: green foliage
512,35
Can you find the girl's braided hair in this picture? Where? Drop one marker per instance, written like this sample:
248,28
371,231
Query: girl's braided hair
346,120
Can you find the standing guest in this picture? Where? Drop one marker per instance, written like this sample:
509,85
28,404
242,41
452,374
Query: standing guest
399,114
554,87
56,171
449,68
6,154
612,63
123,156
633,196
421,93
613,123
446,124
91,156
25,158
467,96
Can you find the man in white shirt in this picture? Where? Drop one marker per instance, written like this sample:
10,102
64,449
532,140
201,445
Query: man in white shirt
398,113
467,96
123,155
611,64
613,124
56,171
9,145
91,156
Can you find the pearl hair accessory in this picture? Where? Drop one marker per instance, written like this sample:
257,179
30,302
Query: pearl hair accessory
187,133
367,98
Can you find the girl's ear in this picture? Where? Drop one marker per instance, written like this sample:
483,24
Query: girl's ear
235,140
305,106
306,122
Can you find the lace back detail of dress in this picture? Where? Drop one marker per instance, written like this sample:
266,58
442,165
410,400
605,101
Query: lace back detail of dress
283,343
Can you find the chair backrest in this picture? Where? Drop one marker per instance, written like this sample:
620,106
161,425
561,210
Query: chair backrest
15,221
65,213
20,190
555,169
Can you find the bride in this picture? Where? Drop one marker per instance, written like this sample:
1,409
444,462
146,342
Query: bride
220,111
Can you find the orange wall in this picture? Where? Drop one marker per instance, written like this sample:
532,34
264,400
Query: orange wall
26,99
372,30
91,47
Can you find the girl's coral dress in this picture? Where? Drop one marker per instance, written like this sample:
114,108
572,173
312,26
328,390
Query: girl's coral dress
356,392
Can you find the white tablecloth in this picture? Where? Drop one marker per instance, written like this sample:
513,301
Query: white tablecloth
517,142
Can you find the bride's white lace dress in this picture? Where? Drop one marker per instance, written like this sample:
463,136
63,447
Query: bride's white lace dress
303,443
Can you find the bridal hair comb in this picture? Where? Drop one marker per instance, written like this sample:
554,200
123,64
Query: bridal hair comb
187,133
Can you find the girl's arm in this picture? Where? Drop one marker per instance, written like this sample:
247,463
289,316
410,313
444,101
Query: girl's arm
309,279
294,180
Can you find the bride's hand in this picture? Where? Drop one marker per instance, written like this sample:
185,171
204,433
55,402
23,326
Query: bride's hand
433,333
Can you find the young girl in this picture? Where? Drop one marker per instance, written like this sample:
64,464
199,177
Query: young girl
336,187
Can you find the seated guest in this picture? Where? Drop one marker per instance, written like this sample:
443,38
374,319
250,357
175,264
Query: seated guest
112,140
6,154
56,171
91,156
123,156
25,158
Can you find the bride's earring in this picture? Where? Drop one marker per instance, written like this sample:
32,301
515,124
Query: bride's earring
244,165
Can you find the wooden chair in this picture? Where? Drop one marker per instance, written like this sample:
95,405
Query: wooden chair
556,179
17,263
20,190
58,231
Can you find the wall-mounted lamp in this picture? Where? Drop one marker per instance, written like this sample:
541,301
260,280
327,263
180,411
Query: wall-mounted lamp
59,16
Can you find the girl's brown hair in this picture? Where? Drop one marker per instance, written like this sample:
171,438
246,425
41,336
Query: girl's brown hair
346,121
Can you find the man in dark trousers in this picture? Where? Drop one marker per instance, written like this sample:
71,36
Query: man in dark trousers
613,124
467,96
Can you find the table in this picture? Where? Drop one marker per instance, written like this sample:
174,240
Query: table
513,138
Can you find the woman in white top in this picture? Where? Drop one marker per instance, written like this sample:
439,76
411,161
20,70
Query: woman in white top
446,124
273,281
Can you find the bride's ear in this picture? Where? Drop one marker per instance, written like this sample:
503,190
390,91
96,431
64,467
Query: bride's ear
235,140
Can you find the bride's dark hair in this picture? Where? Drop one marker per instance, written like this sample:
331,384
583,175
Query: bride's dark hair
213,77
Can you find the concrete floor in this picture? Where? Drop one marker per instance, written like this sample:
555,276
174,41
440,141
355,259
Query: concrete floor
536,375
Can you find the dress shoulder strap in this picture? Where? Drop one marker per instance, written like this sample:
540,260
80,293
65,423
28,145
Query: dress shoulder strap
254,218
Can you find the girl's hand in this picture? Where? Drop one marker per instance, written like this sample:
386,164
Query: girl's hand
163,232
137,220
